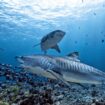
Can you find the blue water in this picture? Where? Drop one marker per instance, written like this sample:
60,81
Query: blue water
24,22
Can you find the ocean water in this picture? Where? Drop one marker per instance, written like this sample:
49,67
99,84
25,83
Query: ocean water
24,22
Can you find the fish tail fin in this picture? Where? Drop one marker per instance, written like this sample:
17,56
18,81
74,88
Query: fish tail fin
36,45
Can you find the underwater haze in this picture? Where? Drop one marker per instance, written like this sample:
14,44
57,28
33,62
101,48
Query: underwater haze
61,77
24,22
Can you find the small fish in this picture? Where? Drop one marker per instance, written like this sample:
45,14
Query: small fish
102,32
51,40
102,40
75,42
86,43
79,27
66,69
86,35
94,13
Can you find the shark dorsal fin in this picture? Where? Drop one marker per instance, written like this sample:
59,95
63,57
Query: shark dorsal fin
74,56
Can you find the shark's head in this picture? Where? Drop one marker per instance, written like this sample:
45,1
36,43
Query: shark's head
52,39
60,34
26,61
30,63
56,35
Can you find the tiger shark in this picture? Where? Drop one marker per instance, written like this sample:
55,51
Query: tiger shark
51,40
66,69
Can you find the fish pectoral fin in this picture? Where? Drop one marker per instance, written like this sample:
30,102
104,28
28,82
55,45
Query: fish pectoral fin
56,47
59,77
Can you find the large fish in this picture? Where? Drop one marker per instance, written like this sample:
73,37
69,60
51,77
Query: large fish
67,69
51,40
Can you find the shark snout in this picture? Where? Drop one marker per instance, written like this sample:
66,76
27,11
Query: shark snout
18,57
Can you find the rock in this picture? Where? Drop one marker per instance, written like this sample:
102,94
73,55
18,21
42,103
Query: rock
57,103
26,93
3,103
3,86
94,93
60,97
14,104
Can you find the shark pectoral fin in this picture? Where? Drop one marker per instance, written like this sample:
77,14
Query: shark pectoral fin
56,47
59,77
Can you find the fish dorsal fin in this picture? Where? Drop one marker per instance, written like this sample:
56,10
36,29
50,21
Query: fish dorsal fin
74,56
56,47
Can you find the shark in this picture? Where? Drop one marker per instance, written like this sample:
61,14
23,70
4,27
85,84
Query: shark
64,68
51,40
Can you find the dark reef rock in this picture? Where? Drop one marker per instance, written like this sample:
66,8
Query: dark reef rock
22,88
